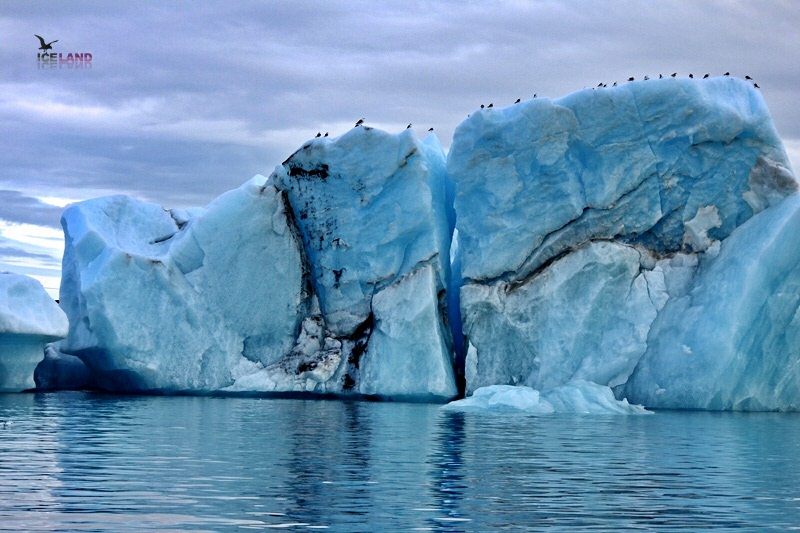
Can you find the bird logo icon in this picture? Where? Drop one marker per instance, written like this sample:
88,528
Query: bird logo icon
45,46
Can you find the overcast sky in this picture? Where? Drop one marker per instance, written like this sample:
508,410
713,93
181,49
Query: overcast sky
185,100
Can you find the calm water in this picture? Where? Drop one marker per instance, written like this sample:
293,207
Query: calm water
90,462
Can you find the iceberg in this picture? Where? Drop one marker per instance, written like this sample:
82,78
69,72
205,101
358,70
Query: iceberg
639,237
330,277
29,319
575,397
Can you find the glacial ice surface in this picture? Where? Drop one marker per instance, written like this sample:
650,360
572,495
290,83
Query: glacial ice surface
29,319
328,277
639,237
575,397
158,302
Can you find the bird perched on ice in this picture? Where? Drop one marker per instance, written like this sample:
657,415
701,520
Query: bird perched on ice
756,86
408,127
490,105
326,134
518,101
630,79
430,129
704,77
748,78
318,135
482,106
673,74
360,122
691,76
660,76
646,78
727,74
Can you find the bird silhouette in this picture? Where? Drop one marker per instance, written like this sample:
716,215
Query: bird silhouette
490,105
482,106
727,74
318,135
704,77
748,78
647,78
408,127
630,79
600,84
430,129
660,76
518,100
45,46
326,134
756,86
614,84
360,122
673,74
691,76
534,95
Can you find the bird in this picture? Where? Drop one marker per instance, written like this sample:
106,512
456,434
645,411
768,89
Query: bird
614,84
518,100
318,135
600,84
482,106
326,134
756,86
748,78
673,74
534,95
604,85
490,105
45,46
630,79
408,127
727,74
660,76
360,122
647,78
704,77
430,129
691,76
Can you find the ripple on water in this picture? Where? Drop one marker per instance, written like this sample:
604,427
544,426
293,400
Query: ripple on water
89,462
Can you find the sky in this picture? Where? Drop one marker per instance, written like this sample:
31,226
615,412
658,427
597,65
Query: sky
185,100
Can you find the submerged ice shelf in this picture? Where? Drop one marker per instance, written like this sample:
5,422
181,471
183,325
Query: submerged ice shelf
640,239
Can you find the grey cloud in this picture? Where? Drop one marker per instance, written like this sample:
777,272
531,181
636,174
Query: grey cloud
288,69
10,252
18,208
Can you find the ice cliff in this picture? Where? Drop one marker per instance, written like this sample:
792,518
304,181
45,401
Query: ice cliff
29,319
642,237
327,277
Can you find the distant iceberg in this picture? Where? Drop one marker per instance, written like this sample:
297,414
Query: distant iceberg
29,319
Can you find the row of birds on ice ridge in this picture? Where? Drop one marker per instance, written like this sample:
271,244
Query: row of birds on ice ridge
360,122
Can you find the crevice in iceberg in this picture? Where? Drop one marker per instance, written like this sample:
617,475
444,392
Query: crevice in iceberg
357,344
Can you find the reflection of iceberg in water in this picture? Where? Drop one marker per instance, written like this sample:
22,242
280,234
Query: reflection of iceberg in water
28,455
447,469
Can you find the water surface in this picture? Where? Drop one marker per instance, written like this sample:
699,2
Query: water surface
94,462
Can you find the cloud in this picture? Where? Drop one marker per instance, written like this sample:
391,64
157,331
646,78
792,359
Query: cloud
186,100
19,208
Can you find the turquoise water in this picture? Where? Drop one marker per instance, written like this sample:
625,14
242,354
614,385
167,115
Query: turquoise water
92,462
